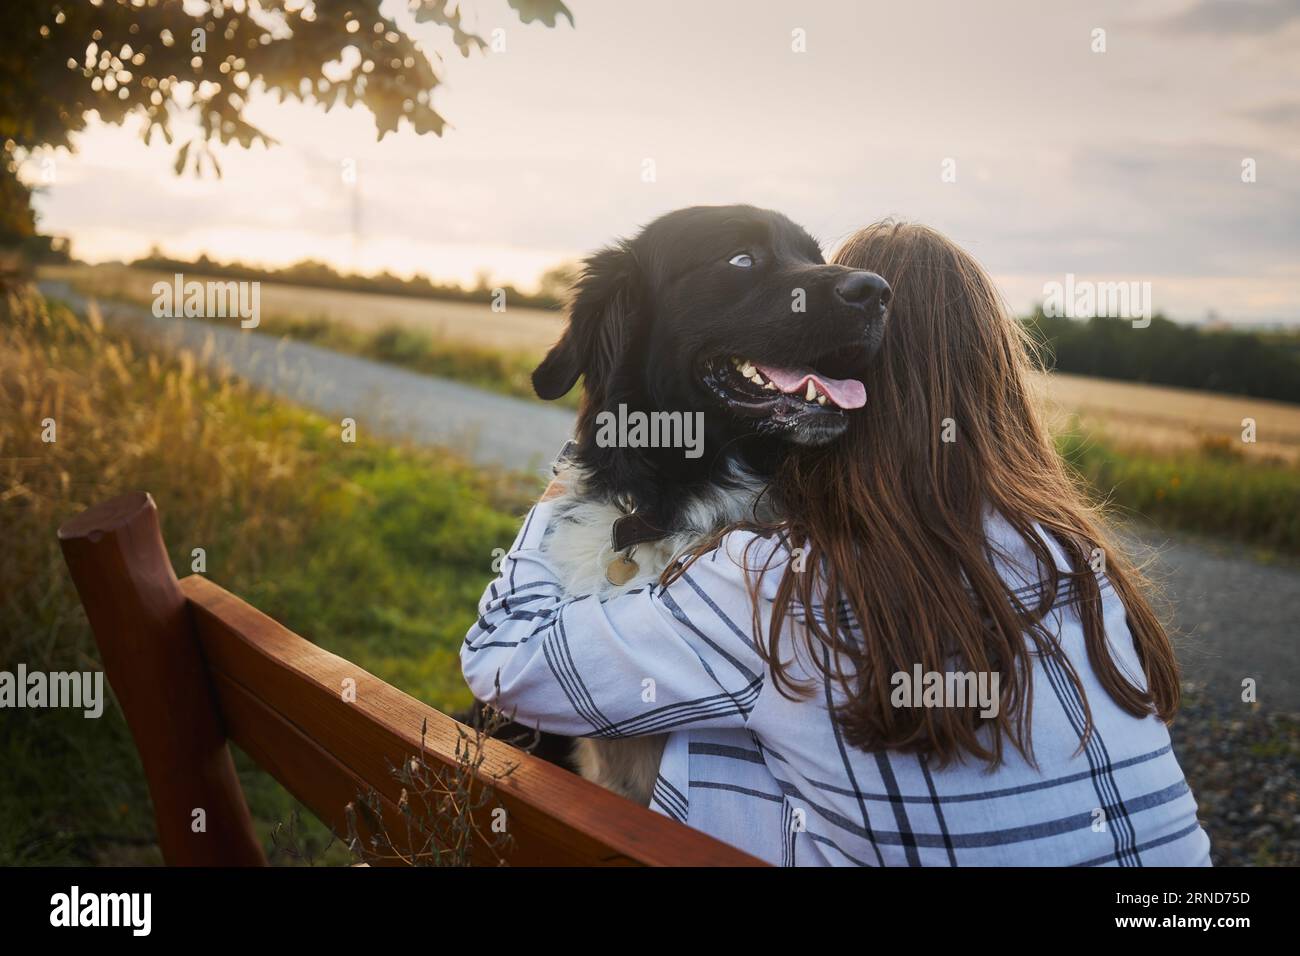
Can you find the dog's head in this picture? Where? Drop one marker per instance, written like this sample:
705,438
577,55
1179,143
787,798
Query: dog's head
730,311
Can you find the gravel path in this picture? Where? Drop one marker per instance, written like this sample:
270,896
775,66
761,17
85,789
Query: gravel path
1237,614
492,429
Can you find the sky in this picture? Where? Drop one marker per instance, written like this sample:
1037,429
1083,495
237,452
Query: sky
1122,165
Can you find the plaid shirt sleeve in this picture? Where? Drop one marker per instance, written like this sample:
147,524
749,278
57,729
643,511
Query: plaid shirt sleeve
643,662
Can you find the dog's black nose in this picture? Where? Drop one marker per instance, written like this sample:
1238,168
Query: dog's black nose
865,290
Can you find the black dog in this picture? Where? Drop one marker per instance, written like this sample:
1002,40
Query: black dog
728,318
658,322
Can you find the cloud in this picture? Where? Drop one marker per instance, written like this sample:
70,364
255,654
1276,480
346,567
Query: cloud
1183,209
1249,17
1282,113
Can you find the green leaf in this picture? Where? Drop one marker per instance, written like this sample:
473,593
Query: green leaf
545,10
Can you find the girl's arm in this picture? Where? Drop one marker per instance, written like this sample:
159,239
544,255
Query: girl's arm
643,662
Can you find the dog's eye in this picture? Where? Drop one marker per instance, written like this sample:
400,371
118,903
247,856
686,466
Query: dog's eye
742,259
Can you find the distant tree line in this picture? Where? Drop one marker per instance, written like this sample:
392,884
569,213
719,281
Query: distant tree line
550,295
1245,362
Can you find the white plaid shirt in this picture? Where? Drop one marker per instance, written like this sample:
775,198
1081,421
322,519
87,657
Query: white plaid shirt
774,776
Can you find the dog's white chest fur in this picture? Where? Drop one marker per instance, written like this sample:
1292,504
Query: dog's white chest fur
579,546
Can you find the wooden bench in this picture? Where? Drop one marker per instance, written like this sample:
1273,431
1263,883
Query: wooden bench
193,667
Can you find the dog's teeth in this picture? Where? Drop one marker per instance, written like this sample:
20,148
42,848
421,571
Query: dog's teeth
772,386
757,379
736,362
821,399
747,370
811,393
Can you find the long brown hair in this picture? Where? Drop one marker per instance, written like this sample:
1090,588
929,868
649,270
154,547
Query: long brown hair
891,518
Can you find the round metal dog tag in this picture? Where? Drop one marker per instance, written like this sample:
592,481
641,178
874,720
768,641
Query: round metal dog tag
621,570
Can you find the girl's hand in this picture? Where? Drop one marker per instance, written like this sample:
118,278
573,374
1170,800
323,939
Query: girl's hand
554,489
560,465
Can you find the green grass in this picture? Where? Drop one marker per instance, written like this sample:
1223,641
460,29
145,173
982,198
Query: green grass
1213,491
506,372
376,552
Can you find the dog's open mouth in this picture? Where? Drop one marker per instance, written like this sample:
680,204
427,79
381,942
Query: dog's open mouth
808,401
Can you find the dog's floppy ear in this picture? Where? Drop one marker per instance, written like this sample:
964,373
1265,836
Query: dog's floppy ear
599,326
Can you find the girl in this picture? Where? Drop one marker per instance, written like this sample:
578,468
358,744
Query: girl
937,657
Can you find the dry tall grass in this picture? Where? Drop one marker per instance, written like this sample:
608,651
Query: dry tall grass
107,440
377,552
72,790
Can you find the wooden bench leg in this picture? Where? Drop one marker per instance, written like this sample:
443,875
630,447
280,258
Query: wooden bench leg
143,626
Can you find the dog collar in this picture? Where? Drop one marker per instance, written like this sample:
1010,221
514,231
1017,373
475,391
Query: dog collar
628,531
631,529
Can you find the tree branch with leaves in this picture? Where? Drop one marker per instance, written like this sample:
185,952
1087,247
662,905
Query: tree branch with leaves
162,59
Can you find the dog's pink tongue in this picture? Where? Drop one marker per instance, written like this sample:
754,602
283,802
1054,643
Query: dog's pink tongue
844,392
